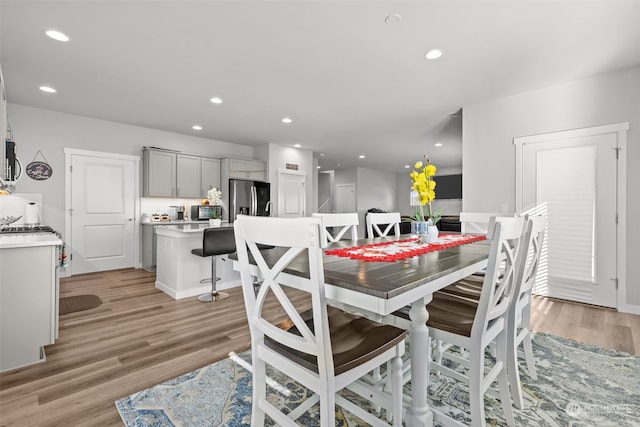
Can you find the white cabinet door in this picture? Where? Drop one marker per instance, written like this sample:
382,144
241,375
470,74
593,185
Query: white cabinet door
159,174
238,169
257,170
210,175
254,170
28,300
187,176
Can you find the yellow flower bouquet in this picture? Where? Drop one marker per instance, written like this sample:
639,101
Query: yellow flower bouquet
425,188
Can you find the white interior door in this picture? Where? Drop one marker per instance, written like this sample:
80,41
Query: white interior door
102,212
345,198
291,194
574,176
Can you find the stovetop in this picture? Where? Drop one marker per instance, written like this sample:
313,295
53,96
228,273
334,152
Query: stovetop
28,229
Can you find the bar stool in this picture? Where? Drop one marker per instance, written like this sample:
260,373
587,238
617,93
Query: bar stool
215,241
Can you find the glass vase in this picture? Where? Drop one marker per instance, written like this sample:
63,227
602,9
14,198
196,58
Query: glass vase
426,232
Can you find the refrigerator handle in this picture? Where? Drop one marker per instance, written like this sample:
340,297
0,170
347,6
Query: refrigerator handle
234,206
254,201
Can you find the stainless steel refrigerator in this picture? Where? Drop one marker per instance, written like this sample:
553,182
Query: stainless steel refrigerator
249,198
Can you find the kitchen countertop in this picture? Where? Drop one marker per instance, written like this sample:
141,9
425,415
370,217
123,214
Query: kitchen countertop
25,240
176,222
186,229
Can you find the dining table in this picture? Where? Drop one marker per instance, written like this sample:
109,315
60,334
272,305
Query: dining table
376,287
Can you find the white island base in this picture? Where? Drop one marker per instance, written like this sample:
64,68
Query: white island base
178,271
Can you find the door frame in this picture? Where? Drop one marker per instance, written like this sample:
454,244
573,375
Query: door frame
620,129
68,153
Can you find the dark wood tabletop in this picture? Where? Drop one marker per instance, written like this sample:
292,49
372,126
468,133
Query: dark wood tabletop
386,279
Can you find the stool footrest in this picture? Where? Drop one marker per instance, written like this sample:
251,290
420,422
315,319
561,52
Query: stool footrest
213,296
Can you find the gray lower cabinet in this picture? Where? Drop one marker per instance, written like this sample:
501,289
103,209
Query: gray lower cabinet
148,247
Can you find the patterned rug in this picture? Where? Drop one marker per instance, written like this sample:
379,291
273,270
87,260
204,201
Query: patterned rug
578,385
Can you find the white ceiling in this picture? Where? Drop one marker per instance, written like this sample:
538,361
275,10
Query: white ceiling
352,83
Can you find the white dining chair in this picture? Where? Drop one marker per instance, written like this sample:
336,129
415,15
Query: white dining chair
474,325
346,222
519,317
477,222
324,349
390,219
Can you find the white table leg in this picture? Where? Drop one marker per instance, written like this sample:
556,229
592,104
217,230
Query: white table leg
420,350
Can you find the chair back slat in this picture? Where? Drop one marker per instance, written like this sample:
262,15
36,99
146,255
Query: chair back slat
299,241
390,219
498,286
347,221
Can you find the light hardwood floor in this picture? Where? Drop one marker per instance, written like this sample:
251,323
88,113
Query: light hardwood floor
140,337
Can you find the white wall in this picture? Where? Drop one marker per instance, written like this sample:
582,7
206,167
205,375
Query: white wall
374,189
488,171
448,206
51,132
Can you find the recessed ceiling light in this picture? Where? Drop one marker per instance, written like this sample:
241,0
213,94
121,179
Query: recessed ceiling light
407,166
321,154
319,166
196,127
57,35
434,54
362,156
286,120
216,100
438,144
297,145
47,89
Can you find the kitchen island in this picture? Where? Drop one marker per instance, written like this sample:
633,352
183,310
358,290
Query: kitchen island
178,271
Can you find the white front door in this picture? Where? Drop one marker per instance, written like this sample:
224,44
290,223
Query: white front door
291,194
102,211
574,176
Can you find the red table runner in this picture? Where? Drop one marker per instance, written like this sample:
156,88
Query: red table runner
402,249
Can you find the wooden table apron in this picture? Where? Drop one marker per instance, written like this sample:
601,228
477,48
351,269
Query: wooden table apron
377,289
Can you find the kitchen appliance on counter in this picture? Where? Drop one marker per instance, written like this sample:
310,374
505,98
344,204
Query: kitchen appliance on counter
248,198
204,212
177,212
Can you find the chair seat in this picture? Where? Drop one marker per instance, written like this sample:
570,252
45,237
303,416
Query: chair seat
354,340
198,252
447,313
470,287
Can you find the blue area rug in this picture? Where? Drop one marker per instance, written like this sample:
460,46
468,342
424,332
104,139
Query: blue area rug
578,385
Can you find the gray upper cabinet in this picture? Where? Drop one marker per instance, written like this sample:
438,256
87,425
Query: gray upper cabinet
187,176
172,174
210,175
159,178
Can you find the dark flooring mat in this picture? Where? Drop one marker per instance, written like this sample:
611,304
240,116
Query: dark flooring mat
79,303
